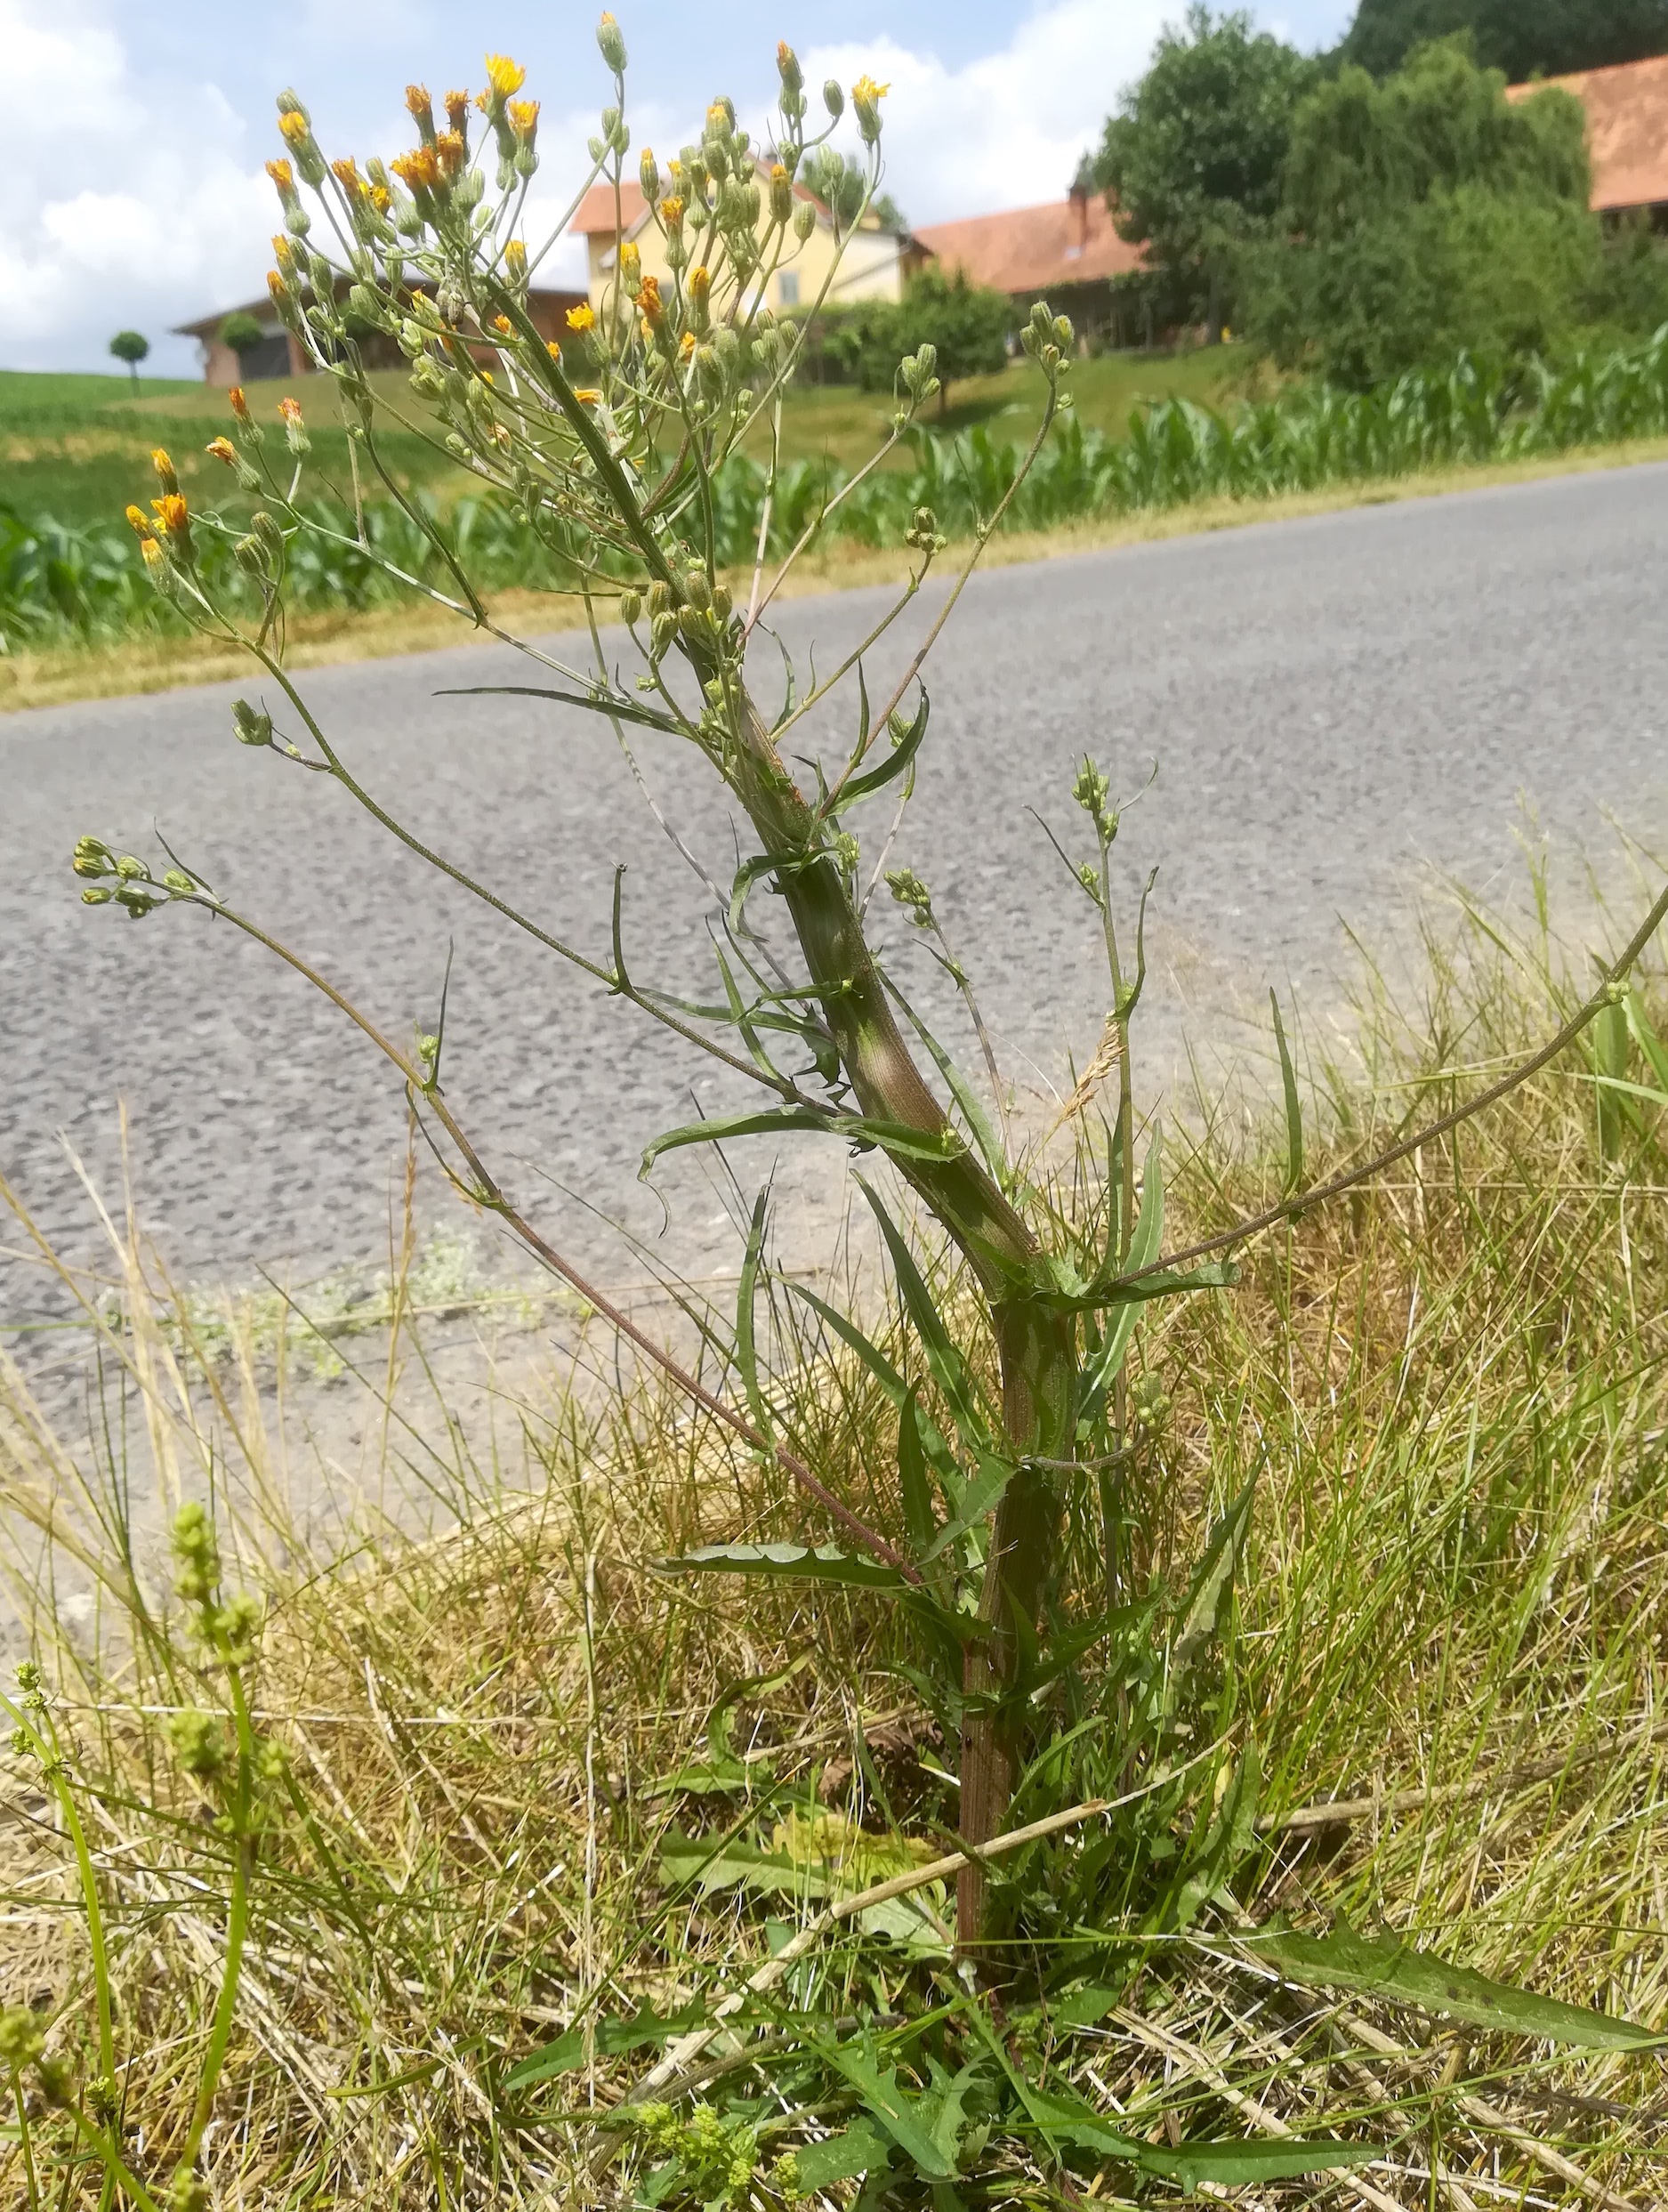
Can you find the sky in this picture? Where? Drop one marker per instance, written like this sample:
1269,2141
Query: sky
133,194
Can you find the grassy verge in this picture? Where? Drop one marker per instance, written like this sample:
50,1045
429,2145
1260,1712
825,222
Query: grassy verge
1450,1616
63,675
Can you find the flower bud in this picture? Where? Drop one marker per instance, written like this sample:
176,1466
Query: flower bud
866,96
662,631
648,175
699,292
252,724
781,193
804,220
611,44
630,267
834,99
1063,333
631,609
792,100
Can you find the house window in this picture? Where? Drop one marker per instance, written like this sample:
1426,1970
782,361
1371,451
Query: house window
787,287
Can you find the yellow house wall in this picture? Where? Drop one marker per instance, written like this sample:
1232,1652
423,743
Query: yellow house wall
870,267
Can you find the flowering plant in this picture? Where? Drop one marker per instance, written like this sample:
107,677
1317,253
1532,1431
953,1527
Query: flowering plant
608,440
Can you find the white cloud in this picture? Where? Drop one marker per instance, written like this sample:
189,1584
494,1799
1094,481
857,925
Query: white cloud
116,210
1007,130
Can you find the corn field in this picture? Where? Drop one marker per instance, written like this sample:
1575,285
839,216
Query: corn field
63,585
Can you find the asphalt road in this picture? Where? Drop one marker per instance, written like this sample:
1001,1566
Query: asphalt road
1333,705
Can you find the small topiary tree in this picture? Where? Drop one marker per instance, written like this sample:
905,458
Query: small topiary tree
131,346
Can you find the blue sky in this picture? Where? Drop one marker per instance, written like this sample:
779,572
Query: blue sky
133,194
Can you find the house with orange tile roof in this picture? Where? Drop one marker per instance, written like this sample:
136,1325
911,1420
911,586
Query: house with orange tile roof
1627,131
1067,251
872,263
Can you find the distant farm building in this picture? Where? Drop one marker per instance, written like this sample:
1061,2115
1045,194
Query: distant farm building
279,354
1627,133
873,264
1067,252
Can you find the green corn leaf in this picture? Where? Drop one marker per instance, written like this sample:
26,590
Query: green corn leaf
1294,1110
787,1562
1383,1966
859,2148
904,751
895,1138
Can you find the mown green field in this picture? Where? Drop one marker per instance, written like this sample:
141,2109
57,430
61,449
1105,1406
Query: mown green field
76,447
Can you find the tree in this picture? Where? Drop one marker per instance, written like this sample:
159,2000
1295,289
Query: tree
1524,38
1425,215
131,346
241,332
967,323
1191,162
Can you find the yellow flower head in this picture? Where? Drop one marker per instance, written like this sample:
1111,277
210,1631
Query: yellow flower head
239,405
581,318
155,558
700,285
139,522
164,467
648,300
523,115
171,513
293,128
347,177
555,353
631,260
382,198
419,105
503,75
671,211
283,176
283,252
686,345
452,149
515,260
222,449
865,91
290,409
501,323
420,168
277,286
588,398
457,110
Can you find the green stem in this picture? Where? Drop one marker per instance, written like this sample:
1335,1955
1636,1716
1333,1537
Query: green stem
26,2141
237,1924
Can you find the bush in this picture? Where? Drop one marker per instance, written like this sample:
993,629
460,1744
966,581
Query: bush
967,323
240,332
1426,214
